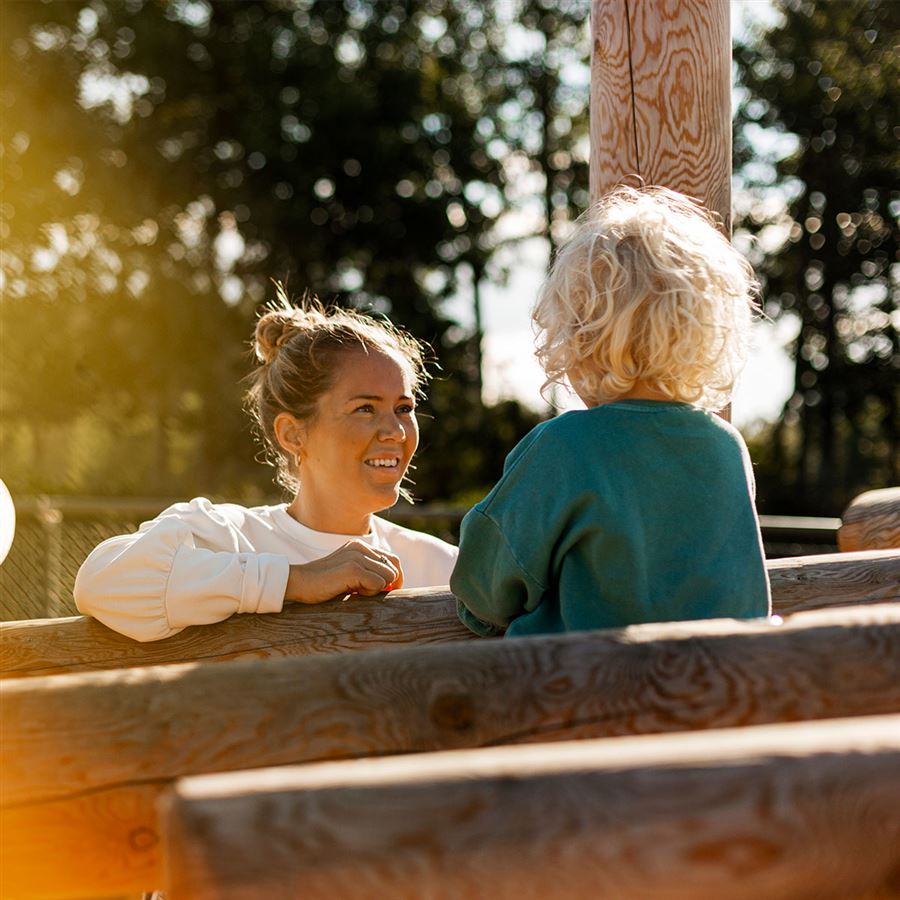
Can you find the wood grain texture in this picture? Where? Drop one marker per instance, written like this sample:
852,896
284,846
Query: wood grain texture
871,521
56,856
79,644
803,583
661,98
70,744
778,812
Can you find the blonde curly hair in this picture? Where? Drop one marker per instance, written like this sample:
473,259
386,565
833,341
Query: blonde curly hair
299,349
646,289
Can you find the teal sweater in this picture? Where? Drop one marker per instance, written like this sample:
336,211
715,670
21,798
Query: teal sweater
635,511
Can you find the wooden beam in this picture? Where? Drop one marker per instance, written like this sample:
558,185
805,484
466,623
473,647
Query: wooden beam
85,756
802,583
661,98
871,521
79,644
779,812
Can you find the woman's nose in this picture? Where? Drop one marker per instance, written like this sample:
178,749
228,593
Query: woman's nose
391,429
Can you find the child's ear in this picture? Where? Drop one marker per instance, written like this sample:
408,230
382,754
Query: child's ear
290,433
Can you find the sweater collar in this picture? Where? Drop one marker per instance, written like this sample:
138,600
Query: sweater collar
322,541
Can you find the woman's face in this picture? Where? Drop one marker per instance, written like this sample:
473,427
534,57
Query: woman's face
355,450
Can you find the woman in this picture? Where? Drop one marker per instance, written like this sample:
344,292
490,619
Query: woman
334,397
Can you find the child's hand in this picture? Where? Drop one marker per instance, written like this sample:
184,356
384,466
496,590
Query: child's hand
355,568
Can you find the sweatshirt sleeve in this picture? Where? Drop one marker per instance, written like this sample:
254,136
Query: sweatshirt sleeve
154,583
491,586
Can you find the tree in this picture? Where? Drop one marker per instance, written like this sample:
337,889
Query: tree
823,82
199,149
551,85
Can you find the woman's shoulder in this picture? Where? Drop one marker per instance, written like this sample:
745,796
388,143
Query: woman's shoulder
426,559
399,537
201,510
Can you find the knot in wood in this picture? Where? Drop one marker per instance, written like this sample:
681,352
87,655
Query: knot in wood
453,711
142,839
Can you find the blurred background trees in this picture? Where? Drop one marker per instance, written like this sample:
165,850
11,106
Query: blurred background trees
161,161
818,158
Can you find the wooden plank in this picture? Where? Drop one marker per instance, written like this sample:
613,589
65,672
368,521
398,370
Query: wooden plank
779,812
661,98
84,755
81,644
871,521
803,583
78,644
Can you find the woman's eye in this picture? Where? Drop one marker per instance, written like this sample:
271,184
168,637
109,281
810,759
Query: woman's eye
407,409
366,408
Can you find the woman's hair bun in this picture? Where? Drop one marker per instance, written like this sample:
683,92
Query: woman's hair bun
282,320
274,329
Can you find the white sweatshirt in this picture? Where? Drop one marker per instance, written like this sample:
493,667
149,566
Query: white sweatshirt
200,562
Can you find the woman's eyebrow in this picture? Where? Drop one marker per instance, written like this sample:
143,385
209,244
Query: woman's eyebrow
374,397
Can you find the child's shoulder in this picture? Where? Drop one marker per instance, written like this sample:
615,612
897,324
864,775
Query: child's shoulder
558,435
622,424
620,427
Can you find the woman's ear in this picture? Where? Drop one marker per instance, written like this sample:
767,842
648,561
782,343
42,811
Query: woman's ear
289,432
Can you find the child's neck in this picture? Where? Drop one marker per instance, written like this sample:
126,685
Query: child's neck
643,390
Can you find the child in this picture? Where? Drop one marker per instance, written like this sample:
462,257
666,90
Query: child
641,507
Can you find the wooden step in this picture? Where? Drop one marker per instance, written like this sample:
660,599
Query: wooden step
781,812
85,756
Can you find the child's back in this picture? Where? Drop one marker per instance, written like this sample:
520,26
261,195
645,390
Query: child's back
639,508
635,511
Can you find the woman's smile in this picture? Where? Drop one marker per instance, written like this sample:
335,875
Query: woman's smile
384,463
386,469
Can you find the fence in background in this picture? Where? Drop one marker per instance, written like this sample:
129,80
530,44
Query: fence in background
55,534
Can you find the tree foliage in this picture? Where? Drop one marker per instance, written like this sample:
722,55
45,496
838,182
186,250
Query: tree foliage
817,150
163,161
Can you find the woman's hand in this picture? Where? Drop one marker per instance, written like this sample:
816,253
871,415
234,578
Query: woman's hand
355,568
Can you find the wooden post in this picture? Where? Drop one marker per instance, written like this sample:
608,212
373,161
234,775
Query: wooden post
79,644
84,757
871,521
661,98
779,812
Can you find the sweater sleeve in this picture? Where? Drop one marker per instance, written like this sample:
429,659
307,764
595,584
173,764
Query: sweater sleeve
491,586
154,583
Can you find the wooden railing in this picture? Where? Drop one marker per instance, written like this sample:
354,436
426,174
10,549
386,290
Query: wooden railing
54,534
86,756
97,730
871,521
53,646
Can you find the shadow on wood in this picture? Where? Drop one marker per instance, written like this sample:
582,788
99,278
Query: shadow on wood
52,646
84,756
782,811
